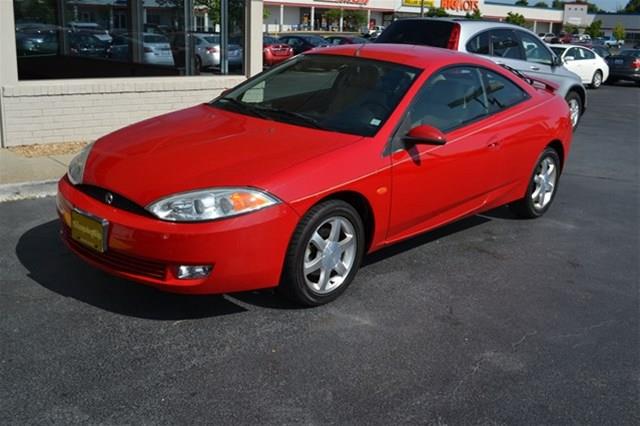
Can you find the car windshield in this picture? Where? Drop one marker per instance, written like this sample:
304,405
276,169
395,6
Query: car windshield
335,93
558,50
269,40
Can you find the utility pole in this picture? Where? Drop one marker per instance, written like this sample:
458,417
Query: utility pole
422,8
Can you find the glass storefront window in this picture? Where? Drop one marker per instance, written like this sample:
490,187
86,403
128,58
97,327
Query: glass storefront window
126,38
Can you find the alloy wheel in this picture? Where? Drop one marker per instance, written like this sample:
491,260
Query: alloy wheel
544,180
574,108
329,255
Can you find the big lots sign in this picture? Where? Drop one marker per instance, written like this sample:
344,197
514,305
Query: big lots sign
461,5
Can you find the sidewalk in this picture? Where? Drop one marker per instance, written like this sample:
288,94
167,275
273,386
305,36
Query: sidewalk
30,177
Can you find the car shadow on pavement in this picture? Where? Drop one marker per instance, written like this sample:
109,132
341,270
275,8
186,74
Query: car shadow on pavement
50,264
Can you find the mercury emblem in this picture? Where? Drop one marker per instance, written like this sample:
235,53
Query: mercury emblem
108,198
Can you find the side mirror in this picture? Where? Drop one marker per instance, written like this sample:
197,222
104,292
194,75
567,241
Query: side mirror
557,61
424,134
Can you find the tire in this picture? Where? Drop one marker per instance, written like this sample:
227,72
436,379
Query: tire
575,106
329,225
596,80
531,206
198,64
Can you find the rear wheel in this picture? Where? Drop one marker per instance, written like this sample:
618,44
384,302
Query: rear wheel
596,81
324,254
575,107
542,187
198,64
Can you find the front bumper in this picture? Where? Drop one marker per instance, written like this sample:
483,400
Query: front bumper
247,252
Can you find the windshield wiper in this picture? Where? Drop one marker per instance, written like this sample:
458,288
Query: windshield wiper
246,107
296,116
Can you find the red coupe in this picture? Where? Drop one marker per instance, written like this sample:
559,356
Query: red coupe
290,178
274,52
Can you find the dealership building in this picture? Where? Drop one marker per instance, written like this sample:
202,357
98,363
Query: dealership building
57,85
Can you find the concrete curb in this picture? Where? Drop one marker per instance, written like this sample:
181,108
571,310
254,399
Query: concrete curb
28,190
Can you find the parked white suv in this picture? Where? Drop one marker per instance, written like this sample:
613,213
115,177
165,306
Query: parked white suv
505,44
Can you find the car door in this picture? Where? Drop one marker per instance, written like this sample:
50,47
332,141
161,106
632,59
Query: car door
433,184
590,64
574,60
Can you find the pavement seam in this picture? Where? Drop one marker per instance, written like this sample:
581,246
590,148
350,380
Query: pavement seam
28,190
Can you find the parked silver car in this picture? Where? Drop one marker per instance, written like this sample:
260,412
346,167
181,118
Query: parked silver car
506,44
154,48
207,47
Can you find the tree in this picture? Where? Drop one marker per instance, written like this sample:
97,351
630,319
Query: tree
541,4
557,4
515,19
437,12
476,15
570,29
632,7
522,3
594,29
618,31
592,8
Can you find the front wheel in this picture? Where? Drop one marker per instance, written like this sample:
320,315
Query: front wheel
542,187
575,108
324,254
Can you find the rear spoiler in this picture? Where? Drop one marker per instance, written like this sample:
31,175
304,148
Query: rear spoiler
538,83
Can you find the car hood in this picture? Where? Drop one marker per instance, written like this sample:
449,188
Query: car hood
201,147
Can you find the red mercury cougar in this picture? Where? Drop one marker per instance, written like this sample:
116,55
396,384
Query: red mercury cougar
290,178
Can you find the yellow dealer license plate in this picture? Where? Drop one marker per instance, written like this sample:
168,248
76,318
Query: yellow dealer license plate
90,231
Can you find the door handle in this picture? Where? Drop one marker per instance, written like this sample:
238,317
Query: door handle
493,145
534,68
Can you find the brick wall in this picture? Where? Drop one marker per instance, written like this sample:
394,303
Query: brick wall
83,110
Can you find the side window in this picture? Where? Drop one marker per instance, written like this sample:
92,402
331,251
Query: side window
479,44
574,53
588,54
449,99
534,50
504,44
502,93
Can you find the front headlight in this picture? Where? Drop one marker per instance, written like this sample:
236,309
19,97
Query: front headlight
76,166
209,204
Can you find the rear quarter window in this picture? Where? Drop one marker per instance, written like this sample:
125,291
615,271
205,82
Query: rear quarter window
421,32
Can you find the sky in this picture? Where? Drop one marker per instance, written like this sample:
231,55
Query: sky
607,5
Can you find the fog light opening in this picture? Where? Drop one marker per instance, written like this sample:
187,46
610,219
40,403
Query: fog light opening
193,272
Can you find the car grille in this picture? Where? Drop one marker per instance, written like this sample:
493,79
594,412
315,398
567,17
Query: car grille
118,200
118,261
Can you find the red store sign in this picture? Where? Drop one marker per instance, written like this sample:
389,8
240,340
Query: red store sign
460,5
358,2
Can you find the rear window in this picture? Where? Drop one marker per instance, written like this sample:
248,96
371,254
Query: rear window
634,53
315,40
418,31
212,39
155,39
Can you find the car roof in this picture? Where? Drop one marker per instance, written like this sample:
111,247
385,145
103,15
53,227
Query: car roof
470,24
406,54
567,46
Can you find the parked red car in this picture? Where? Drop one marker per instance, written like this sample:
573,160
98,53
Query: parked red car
292,177
275,52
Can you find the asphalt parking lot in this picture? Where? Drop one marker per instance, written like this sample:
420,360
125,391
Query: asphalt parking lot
491,320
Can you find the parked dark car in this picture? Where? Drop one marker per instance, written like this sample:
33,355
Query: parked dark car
87,44
302,43
625,66
602,51
275,51
335,40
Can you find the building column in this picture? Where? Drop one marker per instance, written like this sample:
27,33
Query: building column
281,16
206,22
368,18
313,18
534,27
144,15
341,19
253,38
9,62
